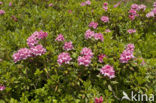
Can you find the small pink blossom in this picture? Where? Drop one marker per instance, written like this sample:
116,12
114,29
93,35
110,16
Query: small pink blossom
83,4
132,17
51,4
93,24
107,31
126,56
98,36
1,3
14,18
130,47
89,34
22,54
42,34
38,50
105,19
154,4
154,11
70,11
142,7
59,38
87,52
2,87
68,46
105,8
131,31
150,14
98,100
105,4
64,58
108,70
101,56
132,11
10,3
134,6
2,12
88,2
84,60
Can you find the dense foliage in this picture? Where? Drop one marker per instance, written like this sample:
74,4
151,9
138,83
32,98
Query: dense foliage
76,51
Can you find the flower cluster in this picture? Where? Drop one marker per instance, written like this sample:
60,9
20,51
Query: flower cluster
98,100
68,46
127,54
93,24
51,4
101,56
2,87
59,38
35,37
64,58
107,31
97,36
34,50
86,58
105,19
88,2
108,71
2,12
105,6
22,54
131,31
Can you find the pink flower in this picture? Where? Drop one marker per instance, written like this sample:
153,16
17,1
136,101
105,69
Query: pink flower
89,34
107,31
116,5
101,56
98,100
105,4
38,50
84,60
132,17
126,56
69,11
10,3
22,54
105,8
51,4
83,4
35,37
2,12
2,88
88,2
104,19
142,7
68,46
14,18
150,14
130,47
108,70
1,3
131,31
98,36
134,6
86,52
93,24
64,58
154,11
60,37
132,11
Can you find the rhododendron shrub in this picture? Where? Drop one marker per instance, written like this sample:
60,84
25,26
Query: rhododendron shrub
76,51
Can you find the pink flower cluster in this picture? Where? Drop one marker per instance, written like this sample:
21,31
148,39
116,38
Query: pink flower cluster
34,50
2,87
2,12
131,31
51,4
59,38
97,36
68,46
105,6
127,54
105,19
93,24
98,100
64,58
86,58
35,37
101,56
88,2
108,71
